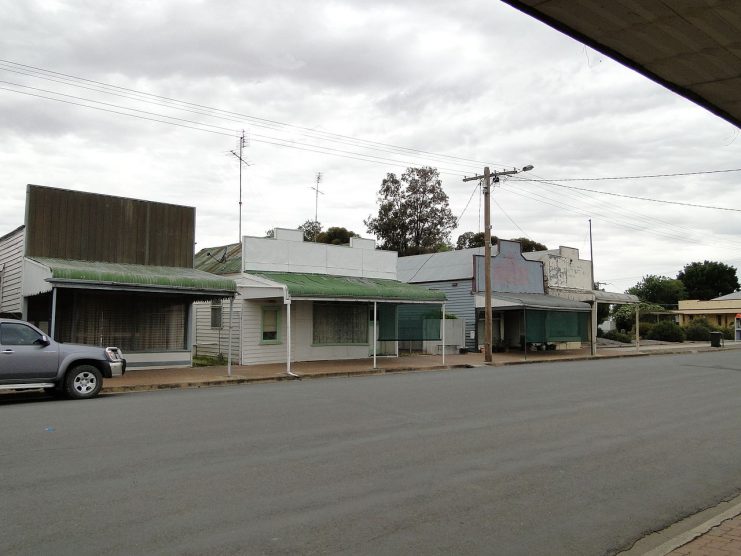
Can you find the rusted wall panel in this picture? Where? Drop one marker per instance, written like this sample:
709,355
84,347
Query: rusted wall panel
92,227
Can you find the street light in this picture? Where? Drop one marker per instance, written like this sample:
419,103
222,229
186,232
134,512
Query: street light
487,248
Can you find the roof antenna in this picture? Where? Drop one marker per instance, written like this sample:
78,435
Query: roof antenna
242,144
316,201
221,259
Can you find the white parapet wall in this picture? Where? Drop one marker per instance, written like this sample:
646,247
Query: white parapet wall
288,252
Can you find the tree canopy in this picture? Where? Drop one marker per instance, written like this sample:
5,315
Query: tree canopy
336,236
528,245
708,279
659,290
312,229
468,240
413,213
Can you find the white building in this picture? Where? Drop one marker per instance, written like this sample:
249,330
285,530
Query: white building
303,301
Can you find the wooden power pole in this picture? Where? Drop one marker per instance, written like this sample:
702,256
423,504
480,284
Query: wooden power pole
487,177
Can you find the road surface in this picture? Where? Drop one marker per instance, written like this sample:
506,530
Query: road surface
559,458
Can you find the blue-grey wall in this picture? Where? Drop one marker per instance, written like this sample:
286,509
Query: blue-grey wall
510,271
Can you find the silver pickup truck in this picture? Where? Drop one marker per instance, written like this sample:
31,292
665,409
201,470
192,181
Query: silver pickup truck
30,359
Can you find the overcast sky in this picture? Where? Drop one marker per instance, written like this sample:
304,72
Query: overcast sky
457,85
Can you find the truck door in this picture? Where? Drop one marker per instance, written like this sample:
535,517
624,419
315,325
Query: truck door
24,355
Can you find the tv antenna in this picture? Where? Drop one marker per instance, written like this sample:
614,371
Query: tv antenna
241,145
221,258
316,201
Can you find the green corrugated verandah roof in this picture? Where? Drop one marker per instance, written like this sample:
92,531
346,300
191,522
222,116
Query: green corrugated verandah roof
185,280
320,286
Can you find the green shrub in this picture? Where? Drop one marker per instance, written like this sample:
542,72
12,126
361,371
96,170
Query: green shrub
208,360
698,331
600,333
729,333
646,328
666,331
618,336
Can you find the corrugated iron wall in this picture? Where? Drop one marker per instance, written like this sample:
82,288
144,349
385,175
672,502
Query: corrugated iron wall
93,227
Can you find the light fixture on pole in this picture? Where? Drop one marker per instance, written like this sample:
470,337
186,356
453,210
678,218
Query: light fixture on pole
487,177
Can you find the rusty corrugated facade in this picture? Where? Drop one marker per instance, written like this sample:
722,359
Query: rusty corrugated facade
77,225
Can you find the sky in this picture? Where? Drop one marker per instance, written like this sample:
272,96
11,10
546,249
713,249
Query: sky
148,100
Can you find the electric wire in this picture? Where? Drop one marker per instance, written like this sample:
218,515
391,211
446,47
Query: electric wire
632,215
549,182
68,79
524,233
645,176
613,214
458,220
599,216
168,102
220,131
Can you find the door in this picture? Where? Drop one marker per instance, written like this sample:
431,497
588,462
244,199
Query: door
24,355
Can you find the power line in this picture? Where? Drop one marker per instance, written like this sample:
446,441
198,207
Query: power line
644,176
631,214
255,137
458,221
510,219
619,222
548,182
187,106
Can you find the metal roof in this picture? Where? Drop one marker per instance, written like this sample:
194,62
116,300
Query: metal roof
435,267
532,301
728,296
223,259
325,286
691,48
615,297
133,276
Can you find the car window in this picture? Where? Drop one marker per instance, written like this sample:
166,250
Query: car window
12,334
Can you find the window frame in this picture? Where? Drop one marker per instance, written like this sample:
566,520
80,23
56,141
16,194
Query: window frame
272,309
344,305
217,308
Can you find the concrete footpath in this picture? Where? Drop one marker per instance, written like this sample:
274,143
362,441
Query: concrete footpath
196,377
714,532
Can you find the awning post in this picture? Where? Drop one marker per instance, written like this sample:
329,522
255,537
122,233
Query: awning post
53,324
524,330
594,327
229,343
288,336
375,331
638,327
443,325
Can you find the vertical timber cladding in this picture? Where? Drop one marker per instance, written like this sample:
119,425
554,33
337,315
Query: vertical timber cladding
83,226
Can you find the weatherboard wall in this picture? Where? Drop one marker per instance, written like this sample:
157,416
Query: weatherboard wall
254,351
11,272
460,303
214,342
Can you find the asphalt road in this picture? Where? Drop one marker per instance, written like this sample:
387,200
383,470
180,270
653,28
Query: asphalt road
559,458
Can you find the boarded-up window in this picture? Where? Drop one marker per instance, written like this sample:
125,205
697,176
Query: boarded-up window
340,323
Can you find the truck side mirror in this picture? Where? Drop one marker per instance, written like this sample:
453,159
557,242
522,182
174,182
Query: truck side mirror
44,340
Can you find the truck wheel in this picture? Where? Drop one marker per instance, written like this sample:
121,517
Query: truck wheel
83,381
